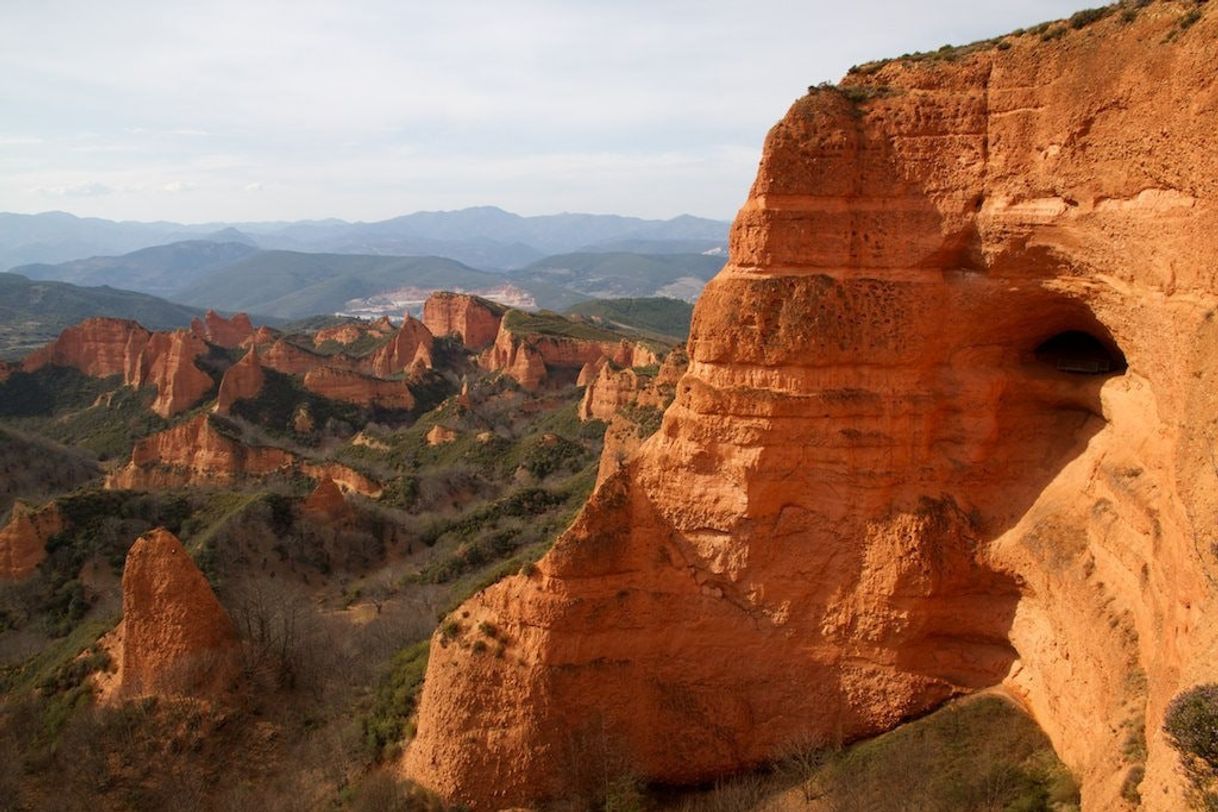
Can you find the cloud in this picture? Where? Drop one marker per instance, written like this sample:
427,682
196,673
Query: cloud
93,189
252,187
175,186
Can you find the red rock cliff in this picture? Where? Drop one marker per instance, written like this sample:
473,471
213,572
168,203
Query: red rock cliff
410,346
102,347
176,638
872,491
223,332
195,453
241,381
23,539
363,390
473,318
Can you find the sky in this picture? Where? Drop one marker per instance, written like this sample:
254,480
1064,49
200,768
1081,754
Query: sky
366,109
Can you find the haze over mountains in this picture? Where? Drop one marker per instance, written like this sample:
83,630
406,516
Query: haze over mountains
485,237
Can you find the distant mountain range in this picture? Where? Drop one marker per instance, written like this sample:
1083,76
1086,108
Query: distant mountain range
485,237
34,312
293,284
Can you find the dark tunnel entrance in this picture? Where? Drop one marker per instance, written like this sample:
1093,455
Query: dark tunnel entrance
1080,353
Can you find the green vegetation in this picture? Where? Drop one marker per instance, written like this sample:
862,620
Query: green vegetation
69,407
976,753
547,323
1191,723
283,398
34,468
656,316
33,313
384,722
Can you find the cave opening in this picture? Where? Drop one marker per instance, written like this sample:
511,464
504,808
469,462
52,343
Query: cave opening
1078,352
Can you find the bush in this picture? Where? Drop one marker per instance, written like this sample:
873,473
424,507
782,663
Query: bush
394,701
1087,16
1192,723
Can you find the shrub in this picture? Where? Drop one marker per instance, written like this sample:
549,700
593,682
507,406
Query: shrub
394,700
1084,18
1192,723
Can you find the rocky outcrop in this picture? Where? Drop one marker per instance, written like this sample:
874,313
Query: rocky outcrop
534,359
410,348
886,478
227,333
291,359
327,504
609,391
167,362
363,390
175,638
23,539
348,479
103,347
196,453
99,347
242,381
350,332
440,435
261,337
474,319
7,369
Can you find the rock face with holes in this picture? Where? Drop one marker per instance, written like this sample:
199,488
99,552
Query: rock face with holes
878,485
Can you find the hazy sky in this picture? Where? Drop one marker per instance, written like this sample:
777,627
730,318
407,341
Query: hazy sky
248,110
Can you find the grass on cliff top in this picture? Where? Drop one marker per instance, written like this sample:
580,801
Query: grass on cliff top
548,323
1126,10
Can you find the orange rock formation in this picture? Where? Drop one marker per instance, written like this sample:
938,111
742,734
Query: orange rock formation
440,435
532,359
167,362
353,387
884,480
474,319
327,503
23,540
102,347
229,333
410,347
175,637
195,453
241,381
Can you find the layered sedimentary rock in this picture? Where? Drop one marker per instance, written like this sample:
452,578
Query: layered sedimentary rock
533,359
474,319
23,539
222,332
102,347
99,347
241,381
908,459
175,638
167,362
363,390
291,359
409,349
195,453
